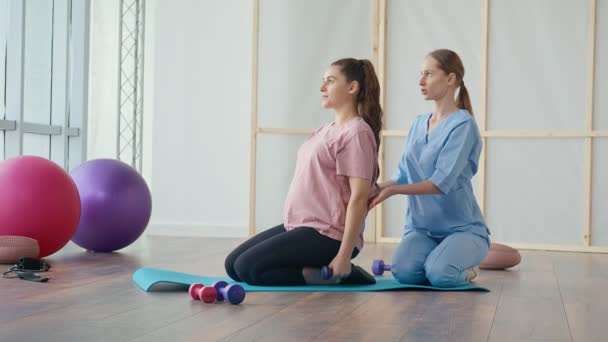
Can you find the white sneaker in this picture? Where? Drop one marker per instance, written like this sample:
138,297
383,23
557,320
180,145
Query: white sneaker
471,273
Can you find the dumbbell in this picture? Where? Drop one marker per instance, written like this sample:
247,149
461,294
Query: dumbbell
378,267
326,273
234,293
198,291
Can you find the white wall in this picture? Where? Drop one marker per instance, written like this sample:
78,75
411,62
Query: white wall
103,79
198,88
201,108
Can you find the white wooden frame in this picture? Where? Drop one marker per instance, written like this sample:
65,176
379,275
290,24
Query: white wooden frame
379,60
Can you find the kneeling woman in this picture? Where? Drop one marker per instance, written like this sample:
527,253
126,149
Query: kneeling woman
325,209
445,234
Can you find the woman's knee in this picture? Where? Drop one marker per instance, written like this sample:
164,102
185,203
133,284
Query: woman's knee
242,268
246,270
408,272
443,275
230,267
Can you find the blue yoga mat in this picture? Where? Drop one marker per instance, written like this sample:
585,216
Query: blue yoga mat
146,278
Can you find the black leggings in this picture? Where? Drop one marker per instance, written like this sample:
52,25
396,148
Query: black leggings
277,256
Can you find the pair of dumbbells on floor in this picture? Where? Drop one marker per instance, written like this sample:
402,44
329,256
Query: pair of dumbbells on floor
218,291
378,268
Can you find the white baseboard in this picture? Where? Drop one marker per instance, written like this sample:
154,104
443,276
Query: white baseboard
196,229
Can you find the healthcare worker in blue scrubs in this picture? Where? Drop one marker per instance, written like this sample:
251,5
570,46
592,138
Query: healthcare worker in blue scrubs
445,235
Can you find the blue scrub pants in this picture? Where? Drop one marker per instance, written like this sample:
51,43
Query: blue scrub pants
441,261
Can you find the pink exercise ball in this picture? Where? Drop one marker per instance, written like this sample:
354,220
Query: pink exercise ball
38,200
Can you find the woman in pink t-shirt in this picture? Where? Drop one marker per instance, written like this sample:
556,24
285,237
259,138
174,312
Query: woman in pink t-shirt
334,178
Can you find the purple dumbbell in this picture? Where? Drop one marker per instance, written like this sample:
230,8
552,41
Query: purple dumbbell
378,267
219,285
326,273
234,293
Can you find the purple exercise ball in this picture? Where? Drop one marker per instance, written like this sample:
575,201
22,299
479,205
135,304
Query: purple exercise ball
116,205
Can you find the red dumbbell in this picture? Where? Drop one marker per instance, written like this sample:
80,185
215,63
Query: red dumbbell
198,291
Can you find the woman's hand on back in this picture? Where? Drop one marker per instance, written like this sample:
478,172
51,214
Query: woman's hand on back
380,197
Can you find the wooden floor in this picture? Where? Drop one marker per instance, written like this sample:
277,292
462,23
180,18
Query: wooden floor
91,297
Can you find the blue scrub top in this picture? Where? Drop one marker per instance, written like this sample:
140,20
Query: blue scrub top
448,157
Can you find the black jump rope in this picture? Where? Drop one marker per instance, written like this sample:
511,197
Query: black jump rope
26,269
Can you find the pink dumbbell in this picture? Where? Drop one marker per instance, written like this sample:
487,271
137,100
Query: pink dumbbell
198,291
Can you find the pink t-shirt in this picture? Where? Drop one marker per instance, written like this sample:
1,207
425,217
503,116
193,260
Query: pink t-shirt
320,190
